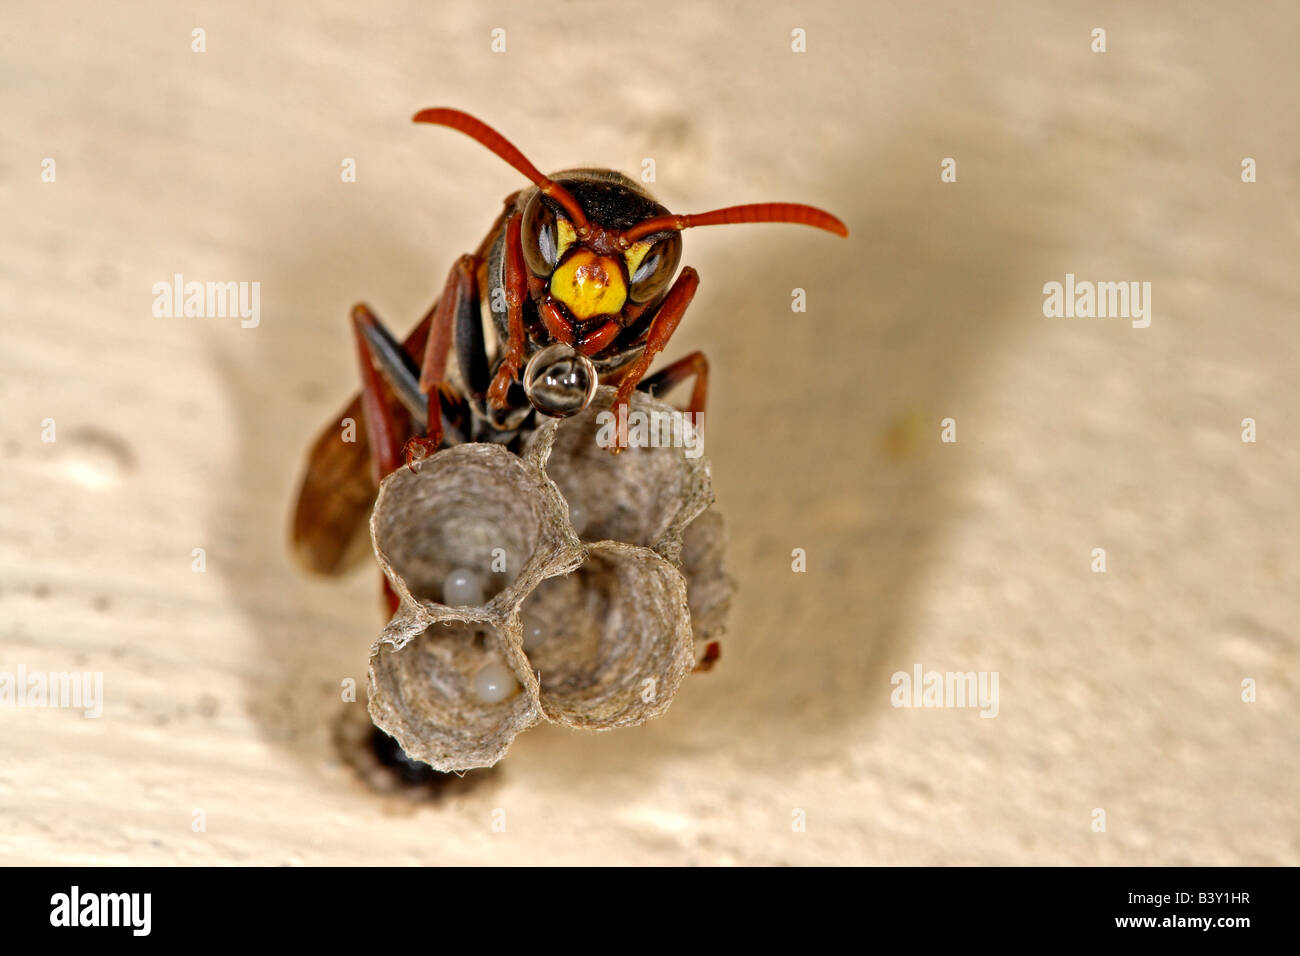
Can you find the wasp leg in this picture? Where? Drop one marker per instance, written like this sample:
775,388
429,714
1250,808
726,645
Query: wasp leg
338,484
712,652
516,283
398,368
459,299
662,327
396,365
671,375
381,429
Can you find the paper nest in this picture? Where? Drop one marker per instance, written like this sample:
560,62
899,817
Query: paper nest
628,608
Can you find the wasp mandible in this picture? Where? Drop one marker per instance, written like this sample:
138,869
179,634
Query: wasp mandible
577,276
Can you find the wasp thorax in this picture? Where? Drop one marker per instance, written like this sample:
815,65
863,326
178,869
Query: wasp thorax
559,381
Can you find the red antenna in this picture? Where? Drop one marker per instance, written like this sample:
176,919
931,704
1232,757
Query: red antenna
754,212
477,129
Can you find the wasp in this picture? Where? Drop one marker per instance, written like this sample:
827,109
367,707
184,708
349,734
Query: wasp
576,277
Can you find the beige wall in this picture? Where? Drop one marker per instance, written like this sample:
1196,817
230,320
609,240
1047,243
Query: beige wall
1119,691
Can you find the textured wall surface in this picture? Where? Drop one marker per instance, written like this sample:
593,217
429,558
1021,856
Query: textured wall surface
1120,691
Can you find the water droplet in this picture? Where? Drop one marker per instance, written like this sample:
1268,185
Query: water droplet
560,382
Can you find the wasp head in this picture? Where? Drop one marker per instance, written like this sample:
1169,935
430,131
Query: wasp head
599,253
589,281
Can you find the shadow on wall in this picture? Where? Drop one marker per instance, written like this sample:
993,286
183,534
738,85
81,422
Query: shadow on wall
841,456
831,424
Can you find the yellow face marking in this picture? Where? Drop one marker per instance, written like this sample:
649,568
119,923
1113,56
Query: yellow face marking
565,236
636,255
589,285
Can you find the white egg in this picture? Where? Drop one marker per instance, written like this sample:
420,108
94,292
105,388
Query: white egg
534,632
578,518
461,587
494,683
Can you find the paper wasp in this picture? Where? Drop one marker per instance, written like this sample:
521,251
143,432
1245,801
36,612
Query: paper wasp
576,275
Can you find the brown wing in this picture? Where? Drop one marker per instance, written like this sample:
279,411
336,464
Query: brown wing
338,487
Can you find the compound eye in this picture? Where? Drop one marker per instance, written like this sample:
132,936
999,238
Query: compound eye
539,235
652,274
559,381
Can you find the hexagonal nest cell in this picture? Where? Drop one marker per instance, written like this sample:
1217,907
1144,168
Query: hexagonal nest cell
594,627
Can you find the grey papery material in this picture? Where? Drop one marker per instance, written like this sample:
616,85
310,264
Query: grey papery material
625,610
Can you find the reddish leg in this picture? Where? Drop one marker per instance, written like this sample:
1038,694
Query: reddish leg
516,282
381,431
712,651
662,328
461,288
672,375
